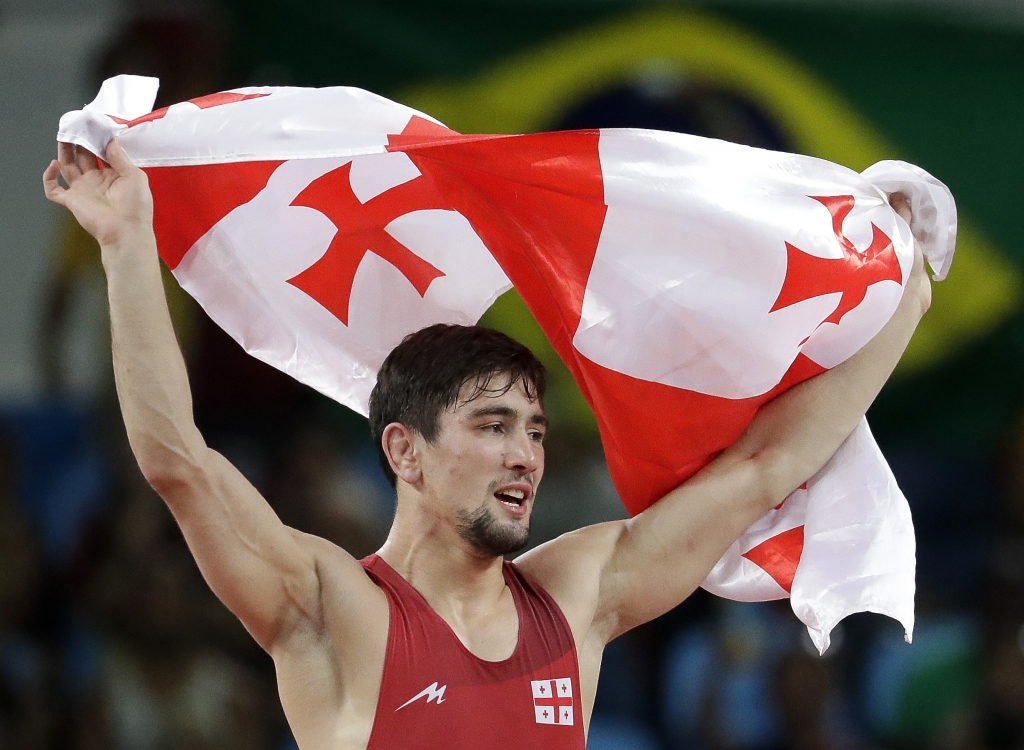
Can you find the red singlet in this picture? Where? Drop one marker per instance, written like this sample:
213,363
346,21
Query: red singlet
437,694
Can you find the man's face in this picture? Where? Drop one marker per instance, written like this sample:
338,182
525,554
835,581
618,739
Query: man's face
485,465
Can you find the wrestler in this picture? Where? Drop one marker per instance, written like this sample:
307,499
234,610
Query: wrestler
436,641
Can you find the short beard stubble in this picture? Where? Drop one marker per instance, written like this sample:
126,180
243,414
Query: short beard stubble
490,537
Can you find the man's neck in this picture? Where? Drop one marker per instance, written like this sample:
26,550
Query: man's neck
457,582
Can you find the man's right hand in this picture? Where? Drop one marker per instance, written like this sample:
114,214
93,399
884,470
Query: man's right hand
110,202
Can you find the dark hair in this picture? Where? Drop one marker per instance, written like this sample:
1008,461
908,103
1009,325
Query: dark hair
424,375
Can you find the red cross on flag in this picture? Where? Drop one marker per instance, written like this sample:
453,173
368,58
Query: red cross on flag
684,281
552,701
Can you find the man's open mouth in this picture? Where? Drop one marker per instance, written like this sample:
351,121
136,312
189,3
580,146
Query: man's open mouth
512,498
515,496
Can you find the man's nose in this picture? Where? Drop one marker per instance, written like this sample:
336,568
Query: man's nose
523,453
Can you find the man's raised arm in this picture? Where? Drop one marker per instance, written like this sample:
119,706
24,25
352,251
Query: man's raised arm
263,571
630,572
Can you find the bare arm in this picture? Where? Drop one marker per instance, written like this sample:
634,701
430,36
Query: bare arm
263,571
622,574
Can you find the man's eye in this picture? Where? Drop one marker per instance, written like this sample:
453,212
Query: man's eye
538,436
495,428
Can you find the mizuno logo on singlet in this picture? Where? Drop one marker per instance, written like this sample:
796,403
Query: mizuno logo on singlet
432,693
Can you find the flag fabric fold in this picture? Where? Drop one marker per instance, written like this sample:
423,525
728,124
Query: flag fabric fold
684,281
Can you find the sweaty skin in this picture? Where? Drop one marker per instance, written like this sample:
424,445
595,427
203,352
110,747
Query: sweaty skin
312,607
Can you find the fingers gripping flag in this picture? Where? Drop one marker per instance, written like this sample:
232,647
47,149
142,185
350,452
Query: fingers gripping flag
684,281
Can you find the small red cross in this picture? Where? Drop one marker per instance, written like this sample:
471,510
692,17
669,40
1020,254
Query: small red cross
203,102
361,230
809,276
779,556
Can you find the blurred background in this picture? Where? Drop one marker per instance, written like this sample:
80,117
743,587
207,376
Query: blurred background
108,636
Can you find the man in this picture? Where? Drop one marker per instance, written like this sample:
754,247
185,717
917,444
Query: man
435,641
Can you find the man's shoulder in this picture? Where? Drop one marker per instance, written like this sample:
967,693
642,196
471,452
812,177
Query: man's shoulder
335,670
582,547
347,590
569,567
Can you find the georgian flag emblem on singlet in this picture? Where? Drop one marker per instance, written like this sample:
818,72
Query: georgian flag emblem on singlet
552,701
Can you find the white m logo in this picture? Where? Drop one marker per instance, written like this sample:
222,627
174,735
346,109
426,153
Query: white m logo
432,693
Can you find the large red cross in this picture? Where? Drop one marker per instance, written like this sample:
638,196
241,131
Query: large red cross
554,702
809,276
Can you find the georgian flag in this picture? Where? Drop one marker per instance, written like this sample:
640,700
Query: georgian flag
684,281
552,701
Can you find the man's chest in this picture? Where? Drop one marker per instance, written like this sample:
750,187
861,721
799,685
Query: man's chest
467,702
490,636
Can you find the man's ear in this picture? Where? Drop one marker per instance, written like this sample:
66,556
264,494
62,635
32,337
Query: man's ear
400,448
